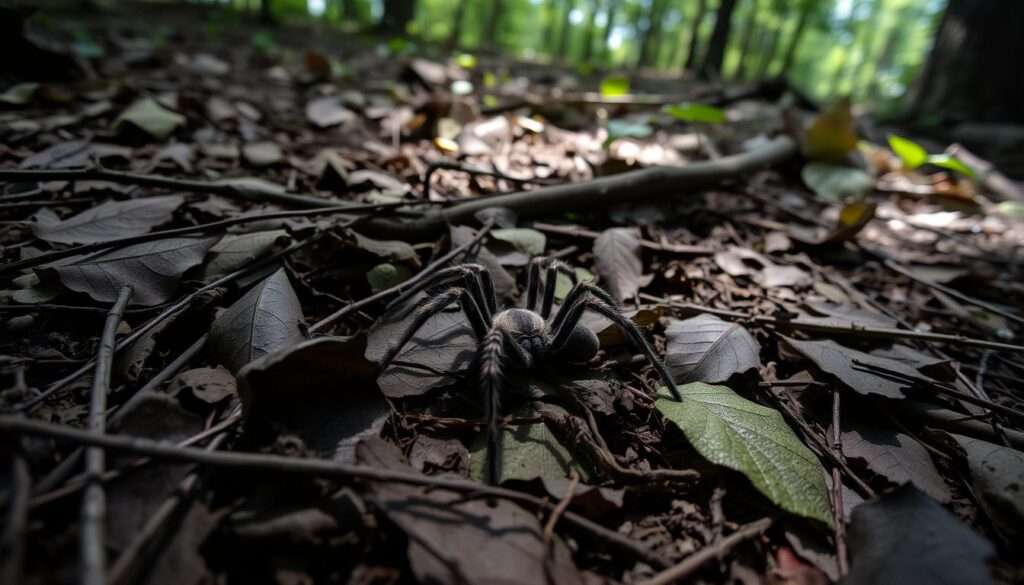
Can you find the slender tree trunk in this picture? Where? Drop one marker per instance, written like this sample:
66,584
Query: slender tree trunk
746,42
460,14
563,39
493,19
650,34
266,12
795,38
588,34
613,10
768,54
837,79
691,53
973,70
715,55
867,52
397,15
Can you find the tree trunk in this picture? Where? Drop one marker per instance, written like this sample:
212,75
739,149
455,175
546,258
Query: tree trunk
266,12
491,38
460,13
649,40
973,71
588,34
715,55
691,53
798,34
563,39
613,8
746,42
397,14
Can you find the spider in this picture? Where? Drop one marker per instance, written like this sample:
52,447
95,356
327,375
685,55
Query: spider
522,338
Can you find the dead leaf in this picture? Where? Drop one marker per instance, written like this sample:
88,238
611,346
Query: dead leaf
708,349
617,257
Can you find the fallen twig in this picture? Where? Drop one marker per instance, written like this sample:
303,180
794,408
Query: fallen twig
852,329
317,468
192,229
578,232
92,548
603,191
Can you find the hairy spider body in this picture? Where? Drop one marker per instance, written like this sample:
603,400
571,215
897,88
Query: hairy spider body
521,338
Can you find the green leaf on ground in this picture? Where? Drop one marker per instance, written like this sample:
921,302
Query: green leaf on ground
20,94
387,275
615,86
691,112
952,163
912,153
527,452
528,241
733,432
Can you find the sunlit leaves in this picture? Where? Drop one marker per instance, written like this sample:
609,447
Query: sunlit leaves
615,86
914,155
692,112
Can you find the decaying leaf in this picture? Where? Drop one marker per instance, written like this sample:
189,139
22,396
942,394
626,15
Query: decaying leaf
152,118
335,406
708,349
997,474
106,221
731,431
267,319
617,256
452,539
832,135
893,455
153,269
906,537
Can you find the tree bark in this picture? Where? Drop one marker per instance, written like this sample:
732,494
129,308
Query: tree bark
588,34
972,73
613,8
798,34
397,14
691,53
491,38
746,42
563,39
460,13
648,50
715,55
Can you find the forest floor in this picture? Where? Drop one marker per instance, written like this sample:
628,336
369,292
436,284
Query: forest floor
205,227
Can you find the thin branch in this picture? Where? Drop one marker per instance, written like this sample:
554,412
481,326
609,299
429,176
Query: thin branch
658,247
166,313
92,547
224,189
717,550
317,468
19,492
601,192
192,229
433,267
838,515
852,329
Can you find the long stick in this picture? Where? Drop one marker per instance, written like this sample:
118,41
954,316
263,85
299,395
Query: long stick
713,551
92,548
317,468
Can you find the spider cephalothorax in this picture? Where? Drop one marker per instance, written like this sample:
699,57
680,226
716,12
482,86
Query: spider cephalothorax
520,337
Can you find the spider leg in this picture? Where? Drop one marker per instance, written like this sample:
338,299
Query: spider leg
472,278
532,283
612,313
432,307
551,283
578,292
491,362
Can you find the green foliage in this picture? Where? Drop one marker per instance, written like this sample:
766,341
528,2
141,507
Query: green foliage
692,112
621,128
914,155
837,183
615,86
733,432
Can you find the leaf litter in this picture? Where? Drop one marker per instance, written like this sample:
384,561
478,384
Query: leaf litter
803,358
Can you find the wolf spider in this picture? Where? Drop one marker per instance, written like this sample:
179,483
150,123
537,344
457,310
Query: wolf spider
520,338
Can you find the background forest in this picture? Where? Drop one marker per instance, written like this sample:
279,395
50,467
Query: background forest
870,49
